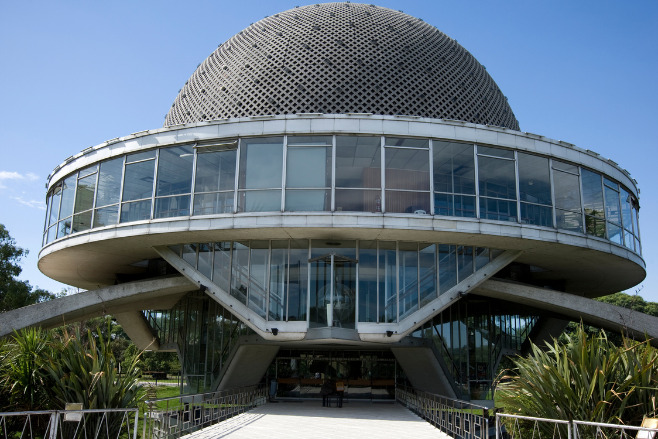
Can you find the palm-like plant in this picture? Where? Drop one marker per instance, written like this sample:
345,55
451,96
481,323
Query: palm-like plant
586,377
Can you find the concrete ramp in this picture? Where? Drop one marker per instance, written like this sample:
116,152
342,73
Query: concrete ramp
423,370
602,315
247,365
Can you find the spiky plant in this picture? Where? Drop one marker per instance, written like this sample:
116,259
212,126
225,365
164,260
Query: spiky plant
585,377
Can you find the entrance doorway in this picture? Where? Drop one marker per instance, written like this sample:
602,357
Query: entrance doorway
333,291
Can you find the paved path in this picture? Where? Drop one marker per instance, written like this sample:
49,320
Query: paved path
310,420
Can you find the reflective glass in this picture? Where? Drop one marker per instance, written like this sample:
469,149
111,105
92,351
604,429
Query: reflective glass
595,226
205,260
84,195
139,156
626,207
447,267
109,182
278,280
308,167
107,216
481,257
368,282
536,214
215,170
81,222
213,203
534,179
258,262
612,208
405,142
136,211
427,273
138,181
64,228
496,152
261,163
189,254
498,210
592,193
358,200
614,233
68,193
567,191
464,262
407,169
408,278
168,207
387,282
408,202
496,178
240,271
174,171
569,220
454,167
566,167
454,205
298,281
306,200
52,233
56,196
309,140
260,201
221,264
358,162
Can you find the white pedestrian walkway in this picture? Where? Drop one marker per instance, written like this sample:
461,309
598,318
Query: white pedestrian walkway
300,420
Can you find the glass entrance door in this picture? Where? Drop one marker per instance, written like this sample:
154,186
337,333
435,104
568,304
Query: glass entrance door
333,291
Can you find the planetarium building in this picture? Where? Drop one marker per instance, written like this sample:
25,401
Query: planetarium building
341,189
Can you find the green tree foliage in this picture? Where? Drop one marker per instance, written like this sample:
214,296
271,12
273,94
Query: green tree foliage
15,293
585,377
634,302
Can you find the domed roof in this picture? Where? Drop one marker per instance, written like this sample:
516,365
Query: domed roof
337,58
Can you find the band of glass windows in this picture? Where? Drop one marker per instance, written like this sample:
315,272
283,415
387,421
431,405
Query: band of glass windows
343,173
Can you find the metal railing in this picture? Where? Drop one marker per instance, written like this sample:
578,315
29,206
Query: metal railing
70,424
169,418
515,426
460,419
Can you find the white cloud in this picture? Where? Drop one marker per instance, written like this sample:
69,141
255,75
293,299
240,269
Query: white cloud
41,205
11,175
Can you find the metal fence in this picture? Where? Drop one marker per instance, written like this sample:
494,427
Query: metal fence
518,427
70,424
460,419
169,418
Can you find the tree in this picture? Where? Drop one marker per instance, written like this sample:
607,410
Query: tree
15,293
586,377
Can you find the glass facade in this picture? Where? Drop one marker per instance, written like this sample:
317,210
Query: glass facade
343,174
334,284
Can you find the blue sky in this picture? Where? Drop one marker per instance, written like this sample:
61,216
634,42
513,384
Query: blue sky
77,73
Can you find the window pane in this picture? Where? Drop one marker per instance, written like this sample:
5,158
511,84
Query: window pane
408,278
222,264
68,192
408,202
109,182
215,171
308,200
358,162
309,140
139,156
569,220
175,171
387,282
447,267
407,169
213,203
136,211
260,201
595,226
567,191
592,193
537,215
454,205
107,216
498,210
278,280
81,222
464,262
169,207
612,209
626,207
358,200
138,181
239,271
308,167
258,277
534,179
497,178
297,285
454,167
409,143
427,273
496,152
261,163
368,284
56,196
84,195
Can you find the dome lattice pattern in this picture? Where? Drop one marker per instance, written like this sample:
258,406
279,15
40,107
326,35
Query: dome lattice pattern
337,58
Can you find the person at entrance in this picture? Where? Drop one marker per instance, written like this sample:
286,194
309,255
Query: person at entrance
328,388
340,391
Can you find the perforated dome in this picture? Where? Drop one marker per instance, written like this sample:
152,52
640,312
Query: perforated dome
337,58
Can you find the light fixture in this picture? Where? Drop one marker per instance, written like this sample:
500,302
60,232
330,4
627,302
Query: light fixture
275,331
389,333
